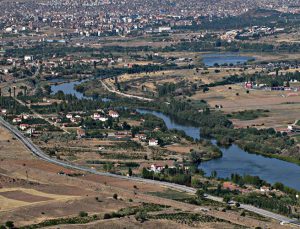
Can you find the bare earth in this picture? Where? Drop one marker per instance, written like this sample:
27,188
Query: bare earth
31,191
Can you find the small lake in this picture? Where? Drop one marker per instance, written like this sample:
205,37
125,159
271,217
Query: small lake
69,88
224,58
236,160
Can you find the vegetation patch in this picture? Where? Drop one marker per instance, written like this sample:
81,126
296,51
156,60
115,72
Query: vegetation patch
248,114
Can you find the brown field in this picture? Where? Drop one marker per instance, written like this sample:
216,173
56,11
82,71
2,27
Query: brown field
22,196
31,191
284,109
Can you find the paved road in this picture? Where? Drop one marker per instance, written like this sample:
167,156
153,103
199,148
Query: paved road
38,152
124,94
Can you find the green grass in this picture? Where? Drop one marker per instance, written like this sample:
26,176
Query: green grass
248,114
172,194
185,198
187,218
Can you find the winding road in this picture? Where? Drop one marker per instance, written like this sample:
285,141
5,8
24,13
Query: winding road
39,153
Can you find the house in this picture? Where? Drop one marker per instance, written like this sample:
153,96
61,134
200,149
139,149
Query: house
248,85
81,133
232,187
25,116
16,120
264,189
294,128
28,58
58,120
141,136
4,111
103,119
153,142
96,116
23,126
156,168
69,116
30,131
113,114
73,120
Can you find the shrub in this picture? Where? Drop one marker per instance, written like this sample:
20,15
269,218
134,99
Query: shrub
106,216
115,196
10,224
83,214
141,216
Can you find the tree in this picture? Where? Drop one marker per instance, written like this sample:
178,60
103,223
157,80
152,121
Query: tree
200,194
213,174
115,196
226,199
196,157
9,91
83,214
278,186
129,171
10,224
39,92
141,216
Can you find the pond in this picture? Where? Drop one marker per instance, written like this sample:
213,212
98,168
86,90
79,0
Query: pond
236,160
69,88
224,58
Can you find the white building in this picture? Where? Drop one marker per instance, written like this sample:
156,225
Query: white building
156,168
69,116
113,114
153,142
28,58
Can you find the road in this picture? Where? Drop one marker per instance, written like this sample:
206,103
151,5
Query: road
37,115
39,153
124,94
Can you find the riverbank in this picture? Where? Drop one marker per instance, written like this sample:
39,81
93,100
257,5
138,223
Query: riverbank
236,160
191,127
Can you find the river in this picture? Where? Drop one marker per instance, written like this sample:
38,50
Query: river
234,159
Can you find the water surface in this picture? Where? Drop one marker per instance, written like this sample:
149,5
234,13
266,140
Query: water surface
236,160
224,58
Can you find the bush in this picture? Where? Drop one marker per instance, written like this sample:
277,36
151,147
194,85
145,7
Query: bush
141,216
115,196
10,224
106,216
83,214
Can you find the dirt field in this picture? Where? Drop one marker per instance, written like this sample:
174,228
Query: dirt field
284,109
31,191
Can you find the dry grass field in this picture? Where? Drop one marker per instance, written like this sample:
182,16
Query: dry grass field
283,107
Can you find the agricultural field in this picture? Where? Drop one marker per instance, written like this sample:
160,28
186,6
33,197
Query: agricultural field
283,106
48,198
